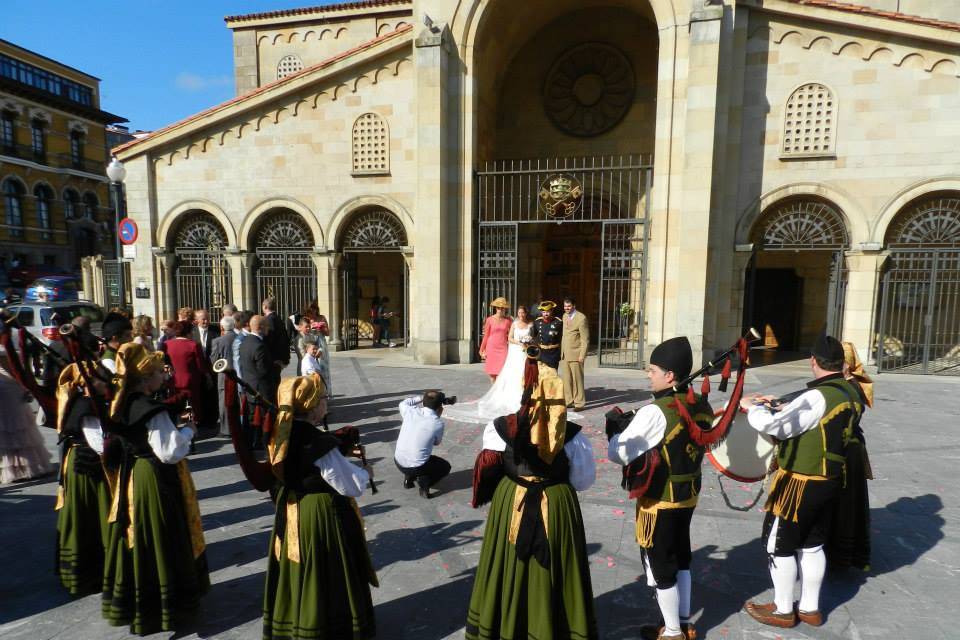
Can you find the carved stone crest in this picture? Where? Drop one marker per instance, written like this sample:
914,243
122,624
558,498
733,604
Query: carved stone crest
560,196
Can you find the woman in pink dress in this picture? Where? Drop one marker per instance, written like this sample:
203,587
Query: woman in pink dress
496,330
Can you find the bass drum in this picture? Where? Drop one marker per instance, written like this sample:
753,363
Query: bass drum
745,454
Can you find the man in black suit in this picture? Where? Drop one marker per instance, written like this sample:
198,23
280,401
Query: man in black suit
223,349
203,334
275,336
258,367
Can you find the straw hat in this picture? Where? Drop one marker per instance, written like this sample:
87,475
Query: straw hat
500,303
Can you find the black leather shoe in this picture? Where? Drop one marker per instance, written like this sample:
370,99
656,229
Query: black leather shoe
425,493
408,483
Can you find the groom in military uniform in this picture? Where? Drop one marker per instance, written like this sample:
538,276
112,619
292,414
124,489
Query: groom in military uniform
547,331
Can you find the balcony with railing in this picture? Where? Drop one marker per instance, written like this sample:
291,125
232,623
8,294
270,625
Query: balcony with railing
55,160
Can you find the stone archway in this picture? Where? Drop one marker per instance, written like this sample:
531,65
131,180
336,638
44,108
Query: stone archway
201,274
372,242
283,242
795,282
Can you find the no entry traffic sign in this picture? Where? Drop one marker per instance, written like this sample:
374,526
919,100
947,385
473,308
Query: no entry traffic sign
128,231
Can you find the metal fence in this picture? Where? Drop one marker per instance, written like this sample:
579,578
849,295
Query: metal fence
613,190
202,280
289,276
919,324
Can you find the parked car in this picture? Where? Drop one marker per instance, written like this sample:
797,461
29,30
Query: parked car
43,319
53,289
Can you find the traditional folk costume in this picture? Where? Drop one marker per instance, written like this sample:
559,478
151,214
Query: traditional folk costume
548,335
814,430
849,541
533,578
155,570
83,494
319,570
662,460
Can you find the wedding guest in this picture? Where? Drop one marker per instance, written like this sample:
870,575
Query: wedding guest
203,334
143,332
496,332
191,370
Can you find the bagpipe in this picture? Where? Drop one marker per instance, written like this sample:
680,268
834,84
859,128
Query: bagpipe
639,475
18,359
259,473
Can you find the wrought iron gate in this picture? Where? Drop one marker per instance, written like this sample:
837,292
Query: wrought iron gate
611,190
111,284
622,280
919,326
288,275
836,294
497,260
203,280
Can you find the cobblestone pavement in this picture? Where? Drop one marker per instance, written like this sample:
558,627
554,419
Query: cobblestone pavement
426,551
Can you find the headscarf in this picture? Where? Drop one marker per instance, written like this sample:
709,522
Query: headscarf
856,371
295,396
134,362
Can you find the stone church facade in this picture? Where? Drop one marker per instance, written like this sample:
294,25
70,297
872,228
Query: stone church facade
678,166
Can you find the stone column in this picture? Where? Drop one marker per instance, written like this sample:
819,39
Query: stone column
337,312
237,260
165,288
859,312
325,264
428,287
411,298
689,235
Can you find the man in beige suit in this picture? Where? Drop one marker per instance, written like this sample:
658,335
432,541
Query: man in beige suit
573,351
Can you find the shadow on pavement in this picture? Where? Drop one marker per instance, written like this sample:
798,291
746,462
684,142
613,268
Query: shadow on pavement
417,615
406,545
228,605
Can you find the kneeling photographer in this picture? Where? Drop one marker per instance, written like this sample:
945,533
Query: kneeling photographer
421,431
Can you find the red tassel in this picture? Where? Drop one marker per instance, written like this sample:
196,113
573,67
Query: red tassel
705,387
690,397
725,375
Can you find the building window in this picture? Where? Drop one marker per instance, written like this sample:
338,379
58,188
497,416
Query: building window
810,123
90,205
13,200
7,131
38,140
76,149
71,204
371,145
288,66
933,221
38,78
44,198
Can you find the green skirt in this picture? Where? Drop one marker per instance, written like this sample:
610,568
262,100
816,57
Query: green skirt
521,600
326,594
81,529
157,580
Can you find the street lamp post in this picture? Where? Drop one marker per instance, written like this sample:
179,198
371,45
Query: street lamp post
117,172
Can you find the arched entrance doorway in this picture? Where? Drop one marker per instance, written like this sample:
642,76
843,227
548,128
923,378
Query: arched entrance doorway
919,307
373,267
284,268
201,272
795,283
565,137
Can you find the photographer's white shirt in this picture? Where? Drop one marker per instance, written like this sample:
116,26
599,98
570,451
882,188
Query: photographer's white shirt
421,431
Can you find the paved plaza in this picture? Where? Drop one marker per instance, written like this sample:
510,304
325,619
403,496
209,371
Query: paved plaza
425,552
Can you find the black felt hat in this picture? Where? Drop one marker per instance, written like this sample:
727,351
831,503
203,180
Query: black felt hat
674,355
114,325
828,348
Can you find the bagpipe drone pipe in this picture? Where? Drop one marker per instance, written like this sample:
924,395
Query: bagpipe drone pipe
18,360
641,473
260,473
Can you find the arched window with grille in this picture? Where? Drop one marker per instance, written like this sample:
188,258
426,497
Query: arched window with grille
202,274
284,268
801,223
13,193
289,65
371,145
933,221
44,199
810,122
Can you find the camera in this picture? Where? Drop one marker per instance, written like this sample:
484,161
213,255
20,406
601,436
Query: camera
448,400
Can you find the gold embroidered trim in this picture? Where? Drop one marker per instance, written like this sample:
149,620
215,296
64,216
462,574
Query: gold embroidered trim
647,510
191,508
130,529
61,489
519,494
292,533
787,502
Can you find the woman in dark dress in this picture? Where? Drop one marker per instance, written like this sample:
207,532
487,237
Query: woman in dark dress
319,571
155,569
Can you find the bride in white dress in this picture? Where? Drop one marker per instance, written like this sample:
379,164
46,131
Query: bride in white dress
503,397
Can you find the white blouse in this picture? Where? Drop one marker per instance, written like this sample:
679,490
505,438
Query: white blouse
168,443
583,468
346,478
644,432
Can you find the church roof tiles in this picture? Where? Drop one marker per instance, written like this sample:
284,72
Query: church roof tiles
340,6
879,13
